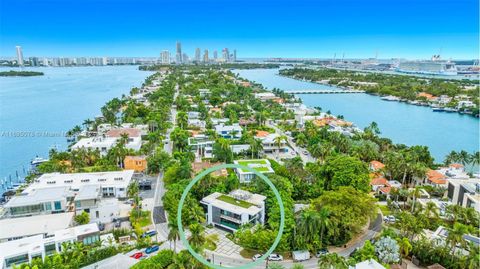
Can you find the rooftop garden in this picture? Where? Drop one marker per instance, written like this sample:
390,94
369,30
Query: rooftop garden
258,165
233,201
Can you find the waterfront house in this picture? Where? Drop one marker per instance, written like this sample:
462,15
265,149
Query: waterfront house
56,193
230,211
233,131
135,163
264,96
24,250
261,165
104,143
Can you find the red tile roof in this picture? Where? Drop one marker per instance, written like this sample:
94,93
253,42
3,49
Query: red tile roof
379,181
376,165
385,190
436,177
456,165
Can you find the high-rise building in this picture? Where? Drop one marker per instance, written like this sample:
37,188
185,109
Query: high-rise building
197,55
178,55
104,61
34,61
225,55
205,56
215,54
165,57
19,56
185,58
234,55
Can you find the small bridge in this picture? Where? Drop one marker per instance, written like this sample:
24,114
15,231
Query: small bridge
323,91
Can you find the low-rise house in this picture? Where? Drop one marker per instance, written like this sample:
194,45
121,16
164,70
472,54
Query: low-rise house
233,131
269,142
135,163
441,234
374,166
202,145
26,249
197,123
204,92
193,115
104,143
435,178
464,192
45,225
238,148
235,209
56,193
368,264
216,121
264,96
260,165
465,104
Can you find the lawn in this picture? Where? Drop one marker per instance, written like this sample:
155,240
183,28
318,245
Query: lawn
385,210
143,220
233,201
259,165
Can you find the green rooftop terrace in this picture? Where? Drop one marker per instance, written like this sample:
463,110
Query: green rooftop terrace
260,165
233,201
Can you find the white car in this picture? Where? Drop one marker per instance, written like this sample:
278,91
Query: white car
275,257
256,256
389,219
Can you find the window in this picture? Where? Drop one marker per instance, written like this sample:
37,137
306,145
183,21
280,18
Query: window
85,180
47,206
97,214
102,179
68,181
58,205
118,178
51,182
78,204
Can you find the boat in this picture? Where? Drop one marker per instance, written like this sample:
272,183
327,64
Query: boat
390,98
435,66
450,109
438,109
37,161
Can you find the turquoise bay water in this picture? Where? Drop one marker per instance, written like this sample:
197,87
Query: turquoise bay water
407,124
45,107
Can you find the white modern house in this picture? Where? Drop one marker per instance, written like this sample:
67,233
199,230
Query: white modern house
96,193
235,209
202,145
270,146
233,131
105,142
261,165
464,192
24,250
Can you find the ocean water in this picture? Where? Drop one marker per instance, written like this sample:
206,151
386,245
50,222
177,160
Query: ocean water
35,112
403,123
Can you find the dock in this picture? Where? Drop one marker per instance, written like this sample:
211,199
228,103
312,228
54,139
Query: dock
324,91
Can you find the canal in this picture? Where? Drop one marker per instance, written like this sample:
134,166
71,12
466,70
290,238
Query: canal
403,123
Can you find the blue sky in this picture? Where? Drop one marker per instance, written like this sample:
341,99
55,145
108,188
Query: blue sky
256,28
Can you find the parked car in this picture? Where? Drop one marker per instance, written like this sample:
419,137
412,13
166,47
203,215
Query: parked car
256,256
117,223
101,226
321,252
137,255
300,255
149,233
152,249
275,257
389,219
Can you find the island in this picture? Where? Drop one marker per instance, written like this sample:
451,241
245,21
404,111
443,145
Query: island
12,73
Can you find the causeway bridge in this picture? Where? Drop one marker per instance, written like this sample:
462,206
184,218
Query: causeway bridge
323,91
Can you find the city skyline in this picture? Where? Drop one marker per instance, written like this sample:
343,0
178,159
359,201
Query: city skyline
307,30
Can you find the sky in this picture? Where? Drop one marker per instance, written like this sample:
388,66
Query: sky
412,29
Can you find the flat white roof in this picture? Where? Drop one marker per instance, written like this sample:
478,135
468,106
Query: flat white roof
32,244
95,142
368,264
119,261
34,225
74,232
78,180
252,210
88,192
36,196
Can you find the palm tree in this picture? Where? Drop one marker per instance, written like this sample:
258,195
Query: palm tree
278,142
431,210
332,261
256,146
451,157
301,139
173,234
323,215
405,246
87,123
415,193
463,157
180,261
455,236
475,158
196,239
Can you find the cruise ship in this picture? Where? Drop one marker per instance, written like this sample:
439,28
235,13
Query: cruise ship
435,66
